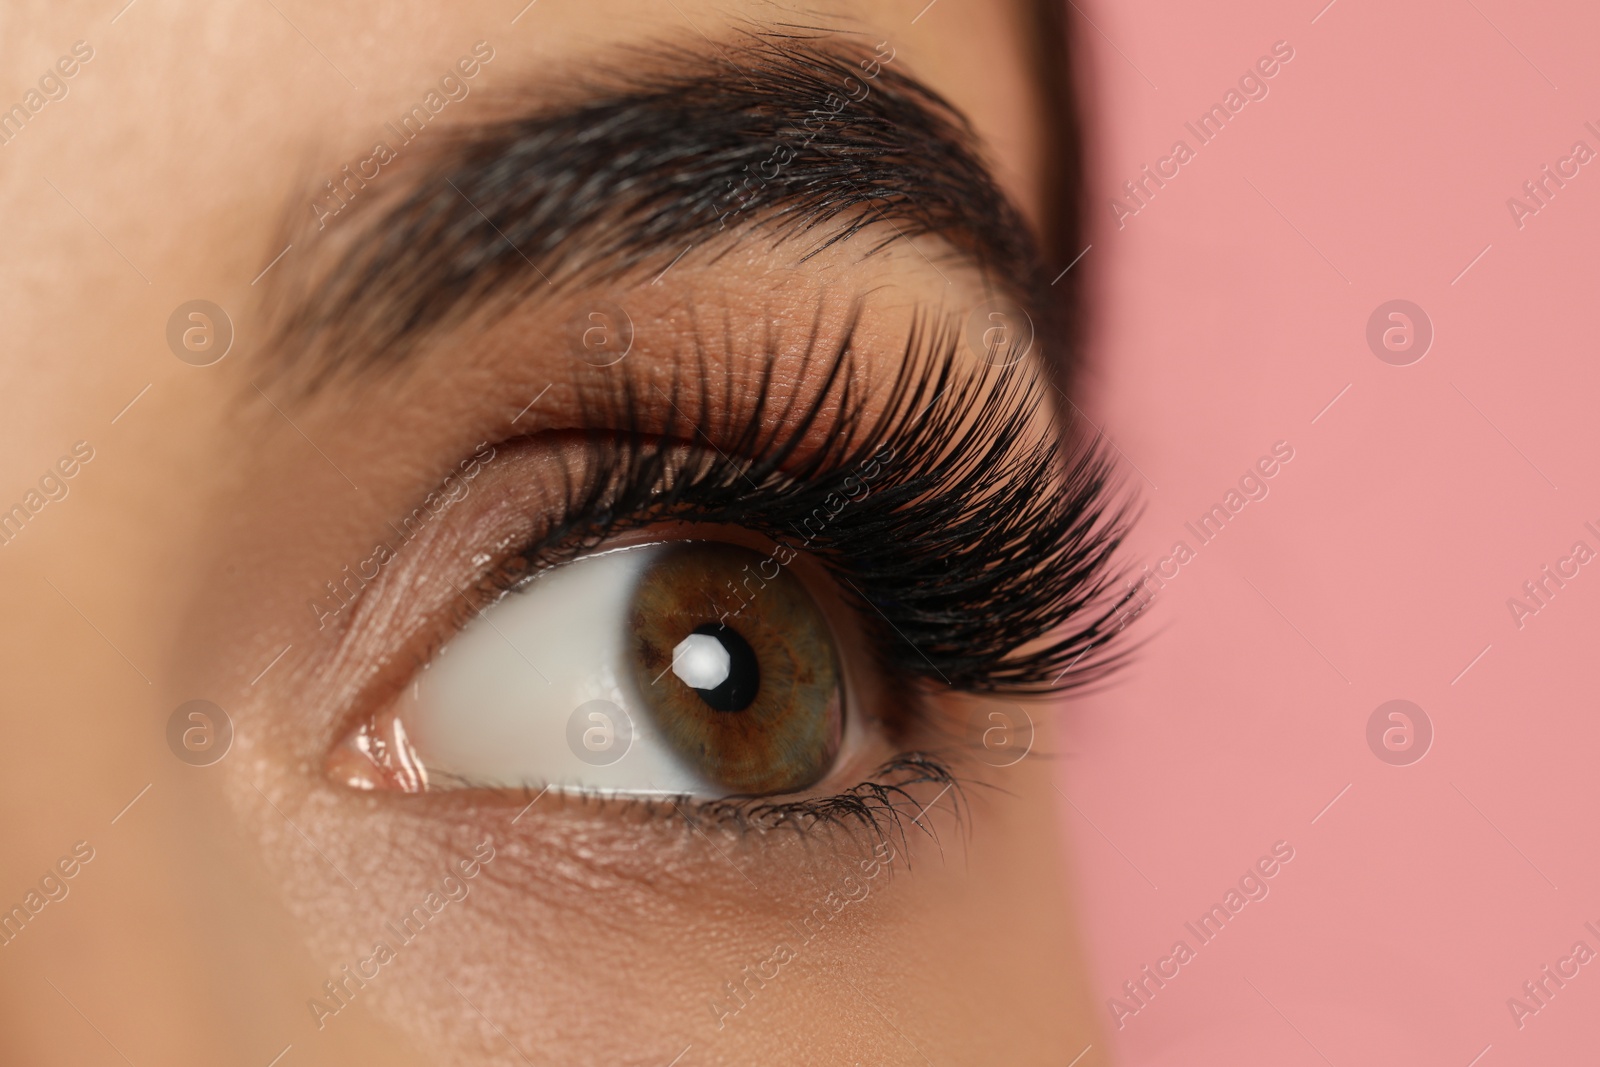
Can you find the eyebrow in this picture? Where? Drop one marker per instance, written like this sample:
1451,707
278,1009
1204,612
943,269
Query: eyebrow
798,139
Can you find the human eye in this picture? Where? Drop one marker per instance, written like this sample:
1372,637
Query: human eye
774,629
634,670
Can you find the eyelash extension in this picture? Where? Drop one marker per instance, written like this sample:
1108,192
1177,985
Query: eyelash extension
970,548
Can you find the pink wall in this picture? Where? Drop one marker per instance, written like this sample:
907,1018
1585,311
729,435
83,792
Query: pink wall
1234,308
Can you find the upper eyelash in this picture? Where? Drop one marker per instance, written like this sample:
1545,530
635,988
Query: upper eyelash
980,559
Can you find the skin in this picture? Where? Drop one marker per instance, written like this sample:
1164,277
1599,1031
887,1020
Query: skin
179,564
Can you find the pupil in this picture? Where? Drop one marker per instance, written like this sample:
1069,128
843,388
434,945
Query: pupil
719,665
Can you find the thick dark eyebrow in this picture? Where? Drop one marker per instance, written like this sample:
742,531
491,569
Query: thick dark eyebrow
800,140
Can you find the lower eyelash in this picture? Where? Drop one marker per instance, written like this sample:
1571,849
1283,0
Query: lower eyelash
879,809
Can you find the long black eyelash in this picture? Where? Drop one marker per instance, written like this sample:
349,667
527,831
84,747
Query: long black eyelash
981,555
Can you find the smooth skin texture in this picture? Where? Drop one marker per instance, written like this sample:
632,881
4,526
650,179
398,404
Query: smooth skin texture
220,900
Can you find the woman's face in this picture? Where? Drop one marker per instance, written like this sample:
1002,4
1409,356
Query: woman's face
535,532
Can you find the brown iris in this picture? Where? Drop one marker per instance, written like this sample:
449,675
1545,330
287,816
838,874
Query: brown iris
737,666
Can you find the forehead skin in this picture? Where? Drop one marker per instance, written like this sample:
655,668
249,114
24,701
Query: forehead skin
161,177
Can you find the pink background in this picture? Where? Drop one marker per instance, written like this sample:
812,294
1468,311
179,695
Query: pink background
1381,562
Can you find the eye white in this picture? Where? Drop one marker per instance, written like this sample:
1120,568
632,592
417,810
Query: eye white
701,661
539,689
